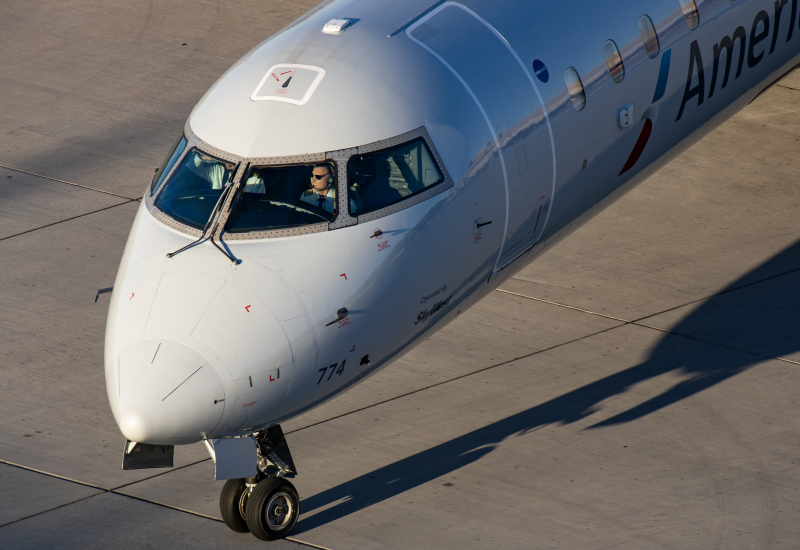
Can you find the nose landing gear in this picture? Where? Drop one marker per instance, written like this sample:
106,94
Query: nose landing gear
272,509
266,505
232,504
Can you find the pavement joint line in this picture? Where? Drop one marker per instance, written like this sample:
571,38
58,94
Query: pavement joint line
179,509
51,509
64,478
716,344
562,305
625,323
638,324
68,219
658,312
106,489
788,87
795,270
311,544
103,490
184,510
64,181
458,377
160,474
292,539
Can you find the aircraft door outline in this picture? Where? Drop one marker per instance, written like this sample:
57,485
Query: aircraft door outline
508,134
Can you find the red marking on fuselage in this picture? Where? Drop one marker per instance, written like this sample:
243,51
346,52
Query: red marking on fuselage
354,347
271,379
638,149
509,248
539,215
250,404
248,308
131,296
343,275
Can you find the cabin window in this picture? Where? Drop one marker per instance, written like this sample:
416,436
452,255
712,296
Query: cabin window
614,61
690,13
194,188
377,180
649,36
282,197
166,166
575,88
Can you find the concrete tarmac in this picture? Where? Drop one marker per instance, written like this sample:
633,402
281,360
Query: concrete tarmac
634,388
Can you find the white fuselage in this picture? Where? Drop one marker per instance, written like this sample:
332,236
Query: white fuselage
197,347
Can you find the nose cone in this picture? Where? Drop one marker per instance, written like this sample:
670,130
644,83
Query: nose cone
168,394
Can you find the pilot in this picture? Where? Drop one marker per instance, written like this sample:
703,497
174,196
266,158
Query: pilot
254,184
322,193
379,193
210,169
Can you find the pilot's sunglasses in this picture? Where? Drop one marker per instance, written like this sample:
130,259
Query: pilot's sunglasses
320,176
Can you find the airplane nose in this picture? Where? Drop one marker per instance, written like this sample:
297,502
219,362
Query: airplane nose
136,426
168,394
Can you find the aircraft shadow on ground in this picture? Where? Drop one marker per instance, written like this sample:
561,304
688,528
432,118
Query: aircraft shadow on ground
701,365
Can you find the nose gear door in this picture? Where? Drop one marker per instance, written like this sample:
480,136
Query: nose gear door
507,96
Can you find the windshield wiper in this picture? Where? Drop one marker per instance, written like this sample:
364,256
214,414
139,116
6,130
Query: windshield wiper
205,228
206,235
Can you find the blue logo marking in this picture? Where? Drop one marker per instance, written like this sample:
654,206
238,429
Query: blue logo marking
663,75
540,71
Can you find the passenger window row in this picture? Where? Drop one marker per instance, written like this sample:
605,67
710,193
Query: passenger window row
611,52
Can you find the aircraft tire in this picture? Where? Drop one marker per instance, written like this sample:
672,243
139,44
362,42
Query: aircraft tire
232,500
273,509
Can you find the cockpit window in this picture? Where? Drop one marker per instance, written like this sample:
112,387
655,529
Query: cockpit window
194,189
382,178
166,166
280,197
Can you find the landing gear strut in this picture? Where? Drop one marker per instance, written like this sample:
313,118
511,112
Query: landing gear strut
267,504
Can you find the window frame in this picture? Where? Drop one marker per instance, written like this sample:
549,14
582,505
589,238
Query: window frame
295,160
690,13
407,197
181,159
192,142
158,173
408,201
266,233
575,90
647,22
339,160
614,61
